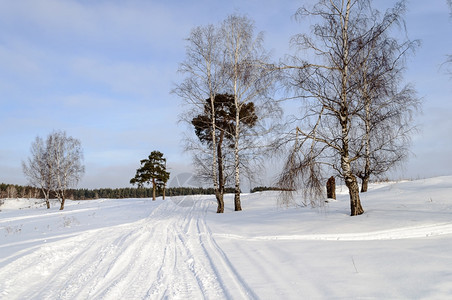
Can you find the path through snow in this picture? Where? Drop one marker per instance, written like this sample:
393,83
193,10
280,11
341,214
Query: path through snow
181,249
169,254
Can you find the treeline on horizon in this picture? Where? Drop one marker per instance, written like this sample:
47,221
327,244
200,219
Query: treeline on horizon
19,191
121,193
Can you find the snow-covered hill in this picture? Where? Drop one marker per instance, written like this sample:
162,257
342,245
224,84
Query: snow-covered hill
181,249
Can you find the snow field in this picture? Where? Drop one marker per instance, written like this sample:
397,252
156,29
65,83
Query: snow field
401,248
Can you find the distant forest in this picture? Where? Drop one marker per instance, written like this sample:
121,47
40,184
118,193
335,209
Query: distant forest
18,191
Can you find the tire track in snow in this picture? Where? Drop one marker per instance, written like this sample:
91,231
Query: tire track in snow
171,275
190,264
124,271
174,277
154,258
76,267
412,232
80,267
217,258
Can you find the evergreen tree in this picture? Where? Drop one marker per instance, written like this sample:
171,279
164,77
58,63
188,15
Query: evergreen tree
224,117
152,170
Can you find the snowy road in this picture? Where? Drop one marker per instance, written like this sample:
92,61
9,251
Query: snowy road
401,248
169,254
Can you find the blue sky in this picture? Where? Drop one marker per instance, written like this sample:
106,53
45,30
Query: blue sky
103,71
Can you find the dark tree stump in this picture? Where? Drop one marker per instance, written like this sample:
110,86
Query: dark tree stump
331,188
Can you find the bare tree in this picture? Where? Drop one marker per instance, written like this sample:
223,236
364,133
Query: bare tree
226,60
386,107
11,191
329,103
204,79
55,166
248,80
331,133
66,156
38,169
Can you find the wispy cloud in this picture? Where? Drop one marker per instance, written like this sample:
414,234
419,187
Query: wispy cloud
102,70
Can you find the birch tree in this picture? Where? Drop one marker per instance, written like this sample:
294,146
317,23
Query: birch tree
203,79
326,87
37,169
356,116
65,156
55,166
387,105
229,59
225,116
248,80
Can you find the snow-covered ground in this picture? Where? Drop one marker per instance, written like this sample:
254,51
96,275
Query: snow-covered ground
401,248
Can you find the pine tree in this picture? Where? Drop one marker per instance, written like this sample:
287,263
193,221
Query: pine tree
224,116
152,170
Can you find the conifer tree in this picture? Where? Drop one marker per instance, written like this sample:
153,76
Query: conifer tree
152,170
224,117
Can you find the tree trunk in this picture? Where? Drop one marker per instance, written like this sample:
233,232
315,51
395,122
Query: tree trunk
367,171
331,188
353,190
217,161
46,197
220,201
153,189
62,202
364,184
350,179
237,204
164,192
220,191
